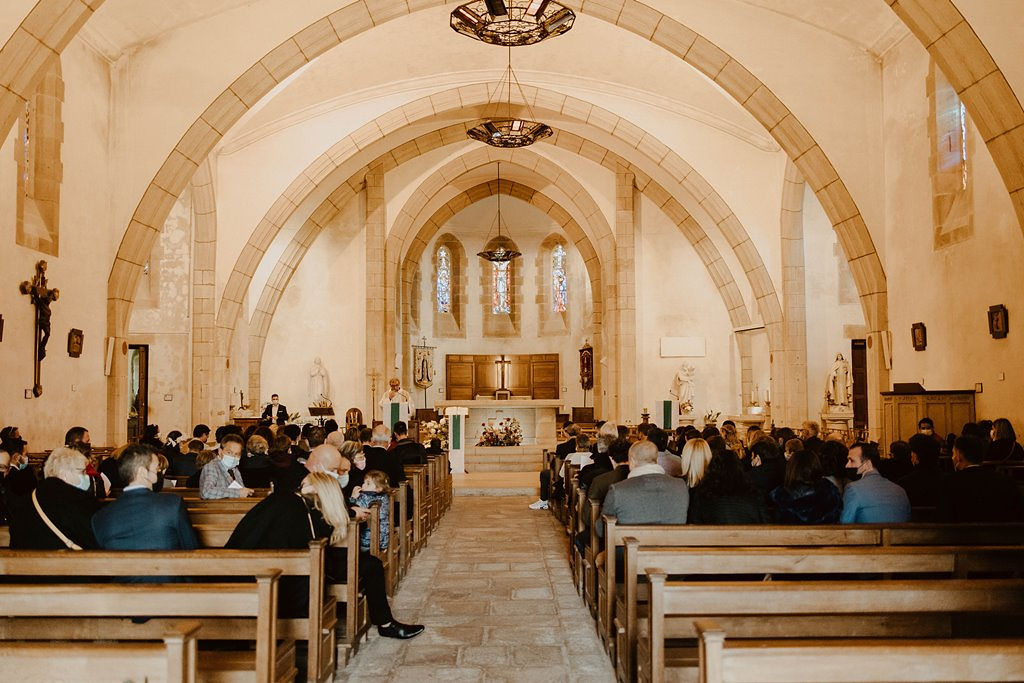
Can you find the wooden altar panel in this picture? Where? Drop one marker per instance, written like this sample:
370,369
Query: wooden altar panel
949,410
529,375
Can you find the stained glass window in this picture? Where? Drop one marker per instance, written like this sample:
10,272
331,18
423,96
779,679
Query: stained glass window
444,280
501,299
559,285
962,111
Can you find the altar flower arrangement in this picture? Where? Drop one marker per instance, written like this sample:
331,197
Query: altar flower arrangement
685,407
436,429
507,432
711,417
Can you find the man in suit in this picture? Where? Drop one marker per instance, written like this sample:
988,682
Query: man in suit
872,499
648,495
407,450
809,435
379,458
974,493
140,519
275,412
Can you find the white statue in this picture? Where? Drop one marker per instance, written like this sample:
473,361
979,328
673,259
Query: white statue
683,385
319,382
839,389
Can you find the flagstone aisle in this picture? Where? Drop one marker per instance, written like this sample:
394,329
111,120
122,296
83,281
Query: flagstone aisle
494,591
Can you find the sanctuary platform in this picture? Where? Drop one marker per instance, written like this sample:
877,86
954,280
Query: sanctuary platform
537,419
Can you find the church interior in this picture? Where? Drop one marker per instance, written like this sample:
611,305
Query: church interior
661,213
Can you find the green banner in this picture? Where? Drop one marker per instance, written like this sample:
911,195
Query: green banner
666,415
394,414
455,440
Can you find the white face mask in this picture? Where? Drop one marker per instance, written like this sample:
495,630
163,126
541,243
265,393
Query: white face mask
230,461
85,483
342,479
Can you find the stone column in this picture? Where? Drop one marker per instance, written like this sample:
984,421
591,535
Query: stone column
207,384
376,320
625,280
791,369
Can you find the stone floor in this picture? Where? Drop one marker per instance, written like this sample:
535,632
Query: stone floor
494,591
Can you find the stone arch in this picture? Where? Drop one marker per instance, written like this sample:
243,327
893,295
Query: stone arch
980,84
631,15
207,359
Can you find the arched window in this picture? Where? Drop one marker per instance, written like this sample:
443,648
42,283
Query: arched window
444,280
559,280
952,194
501,298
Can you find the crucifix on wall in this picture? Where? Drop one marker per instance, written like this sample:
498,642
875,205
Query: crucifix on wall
502,364
41,297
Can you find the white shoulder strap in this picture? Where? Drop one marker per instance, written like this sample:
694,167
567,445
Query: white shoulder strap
53,527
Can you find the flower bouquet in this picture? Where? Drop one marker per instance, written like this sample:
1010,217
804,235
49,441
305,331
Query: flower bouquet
507,432
436,429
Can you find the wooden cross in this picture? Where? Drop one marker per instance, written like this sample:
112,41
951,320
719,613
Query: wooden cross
502,365
41,298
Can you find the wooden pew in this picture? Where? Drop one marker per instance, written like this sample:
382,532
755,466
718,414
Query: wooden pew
172,661
935,562
318,628
855,659
76,611
675,606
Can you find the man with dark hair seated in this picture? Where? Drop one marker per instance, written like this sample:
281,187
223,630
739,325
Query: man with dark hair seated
974,493
872,499
407,450
562,451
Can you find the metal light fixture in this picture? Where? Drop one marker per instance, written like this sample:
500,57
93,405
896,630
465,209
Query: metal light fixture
499,254
511,23
510,131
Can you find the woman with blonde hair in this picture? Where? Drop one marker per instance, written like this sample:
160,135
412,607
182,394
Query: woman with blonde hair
696,456
57,514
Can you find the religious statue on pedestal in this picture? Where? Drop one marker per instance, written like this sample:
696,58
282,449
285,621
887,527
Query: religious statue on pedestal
683,387
839,388
319,383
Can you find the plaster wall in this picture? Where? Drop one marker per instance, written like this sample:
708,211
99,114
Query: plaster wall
834,314
949,289
321,314
999,24
676,298
529,227
12,12
74,389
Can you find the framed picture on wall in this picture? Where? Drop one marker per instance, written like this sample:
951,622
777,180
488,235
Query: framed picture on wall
919,335
998,321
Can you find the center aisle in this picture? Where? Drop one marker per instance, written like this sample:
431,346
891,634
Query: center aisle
493,589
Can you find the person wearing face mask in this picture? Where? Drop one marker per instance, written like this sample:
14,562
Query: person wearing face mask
19,479
220,478
316,509
275,410
57,514
927,427
871,499
141,519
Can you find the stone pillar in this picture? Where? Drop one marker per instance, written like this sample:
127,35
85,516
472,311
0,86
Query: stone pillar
376,320
790,404
625,280
207,384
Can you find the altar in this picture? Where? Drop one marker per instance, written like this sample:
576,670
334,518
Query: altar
537,417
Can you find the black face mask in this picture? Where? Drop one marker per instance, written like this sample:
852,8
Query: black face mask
852,474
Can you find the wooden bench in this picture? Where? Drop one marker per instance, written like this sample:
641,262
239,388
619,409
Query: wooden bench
764,563
318,628
103,611
172,661
855,659
782,609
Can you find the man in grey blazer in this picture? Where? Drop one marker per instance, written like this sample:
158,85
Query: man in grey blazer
648,495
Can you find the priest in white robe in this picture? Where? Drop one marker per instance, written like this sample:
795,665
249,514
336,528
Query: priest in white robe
396,404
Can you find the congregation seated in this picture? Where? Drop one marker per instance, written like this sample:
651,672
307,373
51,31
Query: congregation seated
570,431
670,462
256,468
694,461
767,467
725,495
184,463
56,514
806,496
618,454
833,456
601,461
899,463
407,450
220,478
1004,446
374,489
647,495
378,457
923,482
974,493
809,435
872,498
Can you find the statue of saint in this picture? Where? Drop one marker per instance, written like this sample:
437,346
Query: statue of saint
839,389
319,383
683,385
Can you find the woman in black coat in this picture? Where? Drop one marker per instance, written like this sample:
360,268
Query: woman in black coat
724,495
65,500
806,496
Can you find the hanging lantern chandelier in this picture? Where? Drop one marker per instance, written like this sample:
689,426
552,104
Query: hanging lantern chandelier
499,254
510,131
512,23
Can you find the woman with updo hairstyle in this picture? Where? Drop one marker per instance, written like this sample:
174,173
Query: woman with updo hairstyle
805,496
57,515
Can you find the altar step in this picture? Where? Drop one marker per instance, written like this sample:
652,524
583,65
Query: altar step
504,459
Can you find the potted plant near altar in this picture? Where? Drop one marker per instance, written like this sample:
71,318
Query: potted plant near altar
507,432
436,429
711,418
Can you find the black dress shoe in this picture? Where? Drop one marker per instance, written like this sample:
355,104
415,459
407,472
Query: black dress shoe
399,630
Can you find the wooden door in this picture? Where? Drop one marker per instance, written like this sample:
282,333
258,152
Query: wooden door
859,368
138,390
